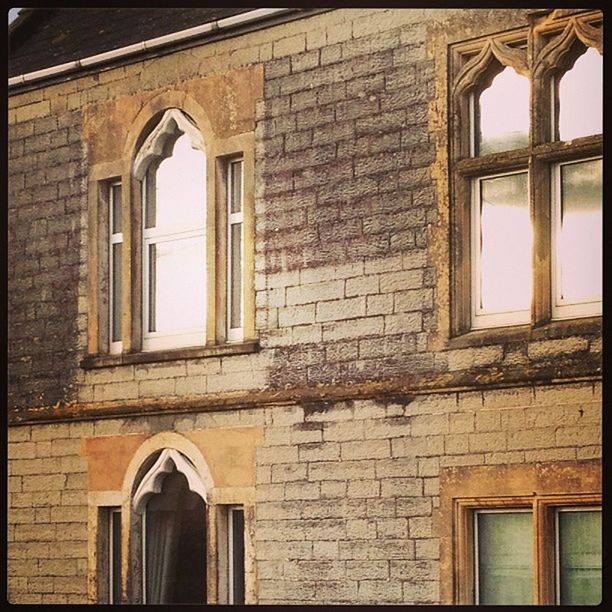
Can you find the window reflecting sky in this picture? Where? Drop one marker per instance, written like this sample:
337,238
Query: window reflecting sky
504,113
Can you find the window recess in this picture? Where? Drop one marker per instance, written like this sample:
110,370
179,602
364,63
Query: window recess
108,563
236,573
114,555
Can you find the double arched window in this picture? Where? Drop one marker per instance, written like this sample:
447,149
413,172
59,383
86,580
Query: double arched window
527,180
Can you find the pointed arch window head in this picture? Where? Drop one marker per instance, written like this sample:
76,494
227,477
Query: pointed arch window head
176,267
169,460
172,123
501,114
580,97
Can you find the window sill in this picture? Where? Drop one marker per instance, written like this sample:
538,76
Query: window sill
551,330
91,362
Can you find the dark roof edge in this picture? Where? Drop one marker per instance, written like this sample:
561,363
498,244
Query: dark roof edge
233,25
23,17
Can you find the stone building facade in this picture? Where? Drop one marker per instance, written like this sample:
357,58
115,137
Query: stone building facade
360,422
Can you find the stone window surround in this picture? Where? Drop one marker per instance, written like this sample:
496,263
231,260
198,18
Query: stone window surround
218,503
551,41
220,151
543,487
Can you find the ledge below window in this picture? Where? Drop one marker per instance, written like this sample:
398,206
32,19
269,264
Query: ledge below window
198,352
551,330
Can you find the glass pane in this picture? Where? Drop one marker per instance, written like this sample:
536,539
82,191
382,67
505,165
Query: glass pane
237,556
236,274
580,557
116,557
503,114
505,244
148,194
152,286
179,191
116,207
580,252
581,97
505,564
116,295
177,285
236,187
175,544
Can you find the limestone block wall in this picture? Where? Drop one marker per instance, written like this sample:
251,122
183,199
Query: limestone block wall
351,213
347,493
351,286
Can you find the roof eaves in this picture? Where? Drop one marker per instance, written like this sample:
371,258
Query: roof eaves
228,23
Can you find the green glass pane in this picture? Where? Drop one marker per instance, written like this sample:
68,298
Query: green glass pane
580,557
505,558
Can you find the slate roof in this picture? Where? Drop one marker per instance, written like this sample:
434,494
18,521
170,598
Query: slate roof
47,37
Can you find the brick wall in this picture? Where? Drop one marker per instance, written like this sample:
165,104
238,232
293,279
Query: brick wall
47,532
350,217
348,493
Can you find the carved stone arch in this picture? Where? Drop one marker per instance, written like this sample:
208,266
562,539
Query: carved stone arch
182,446
560,52
152,481
589,35
158,105
479,68
172,122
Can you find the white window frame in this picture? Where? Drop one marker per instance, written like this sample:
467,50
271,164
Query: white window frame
476,513
114,238
557,543
481,319
562,309
235,334
193,336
